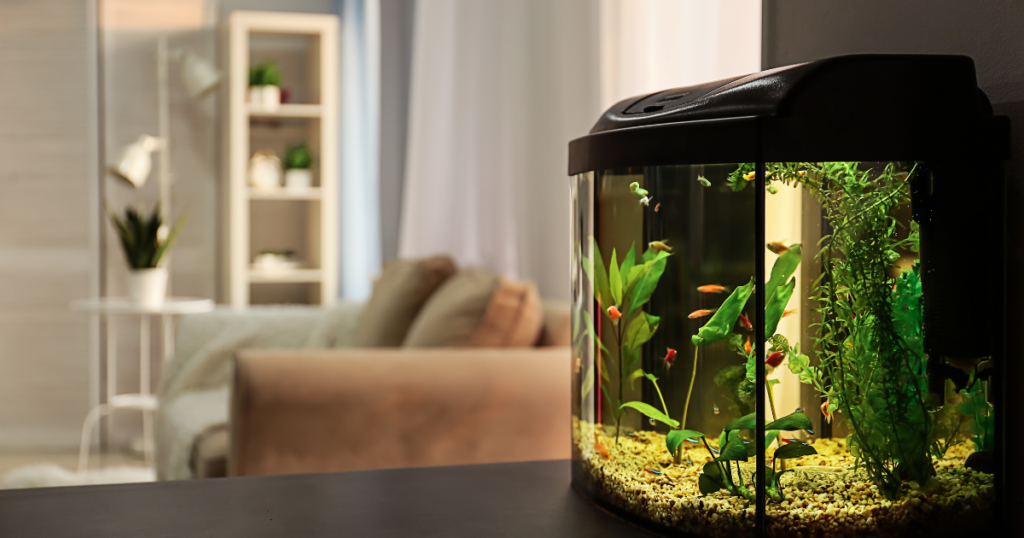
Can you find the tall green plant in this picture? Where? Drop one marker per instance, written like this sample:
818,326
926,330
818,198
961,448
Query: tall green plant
143,241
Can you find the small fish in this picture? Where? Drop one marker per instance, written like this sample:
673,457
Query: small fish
777,247
745,323
654,471
614,313
773,361
799,410
701,313
646,201
635,188
660,246
712,288
788,313
747,347
670,357
717,411
631,435
787,441
579,364
825,412
657,207
802,173
689,461
809,431
653,422
772,190
601,449
704,181
750,176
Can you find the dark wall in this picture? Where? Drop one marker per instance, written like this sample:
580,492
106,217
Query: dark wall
991,32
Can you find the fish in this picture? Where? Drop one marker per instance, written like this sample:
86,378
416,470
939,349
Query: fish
747,347
787,441
799,410
653,422
631,434
635,188
614,313
773,361
788,313
717,411
660,246
777,247
712,288
701,313
654,471
601,449
579,364
704,181
657,207
750,176
825,412
670,357
646,201
802,173
772,190
745,323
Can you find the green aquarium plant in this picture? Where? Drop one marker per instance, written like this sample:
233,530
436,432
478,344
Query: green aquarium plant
621,291
145,240
297,157
982,422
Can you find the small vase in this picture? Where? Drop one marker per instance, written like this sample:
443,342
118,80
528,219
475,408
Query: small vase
271,98
148,287
298,179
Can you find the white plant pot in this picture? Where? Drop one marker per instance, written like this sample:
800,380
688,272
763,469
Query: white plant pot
148,287
297,179
270,98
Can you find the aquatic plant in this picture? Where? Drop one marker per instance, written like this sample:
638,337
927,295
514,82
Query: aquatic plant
620,292
868,343
976,407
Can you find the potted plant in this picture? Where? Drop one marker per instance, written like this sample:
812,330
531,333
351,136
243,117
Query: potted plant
265,86
297,163
145,241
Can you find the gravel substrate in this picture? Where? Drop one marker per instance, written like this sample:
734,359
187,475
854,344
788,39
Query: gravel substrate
824,497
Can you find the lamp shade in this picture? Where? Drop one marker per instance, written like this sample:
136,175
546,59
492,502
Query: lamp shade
198,74
135,163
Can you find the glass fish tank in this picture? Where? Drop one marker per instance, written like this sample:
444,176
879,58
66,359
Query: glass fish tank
775,324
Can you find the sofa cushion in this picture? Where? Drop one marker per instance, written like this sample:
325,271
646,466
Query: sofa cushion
398,295
479,308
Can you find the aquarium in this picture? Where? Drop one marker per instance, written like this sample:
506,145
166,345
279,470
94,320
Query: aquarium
788,303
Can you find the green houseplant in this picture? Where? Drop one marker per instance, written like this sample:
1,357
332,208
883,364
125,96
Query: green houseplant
145,241
265,86
297,167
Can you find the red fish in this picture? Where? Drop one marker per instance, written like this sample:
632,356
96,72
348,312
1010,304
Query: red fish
773,361
653,471
787,441
657,207
711,288
745,323
670,357
701,313
824,411
788,313
614,313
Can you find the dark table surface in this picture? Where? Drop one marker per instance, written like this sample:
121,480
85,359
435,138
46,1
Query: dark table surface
510,499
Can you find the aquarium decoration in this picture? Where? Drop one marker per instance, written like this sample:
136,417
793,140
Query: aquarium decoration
888,172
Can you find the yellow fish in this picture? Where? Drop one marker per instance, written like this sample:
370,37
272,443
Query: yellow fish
660,246
750,176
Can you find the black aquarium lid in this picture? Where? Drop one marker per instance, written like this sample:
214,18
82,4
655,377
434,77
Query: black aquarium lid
863,107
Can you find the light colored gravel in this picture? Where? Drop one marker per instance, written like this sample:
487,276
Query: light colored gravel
824,497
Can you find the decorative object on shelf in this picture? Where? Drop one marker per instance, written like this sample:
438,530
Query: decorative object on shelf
275,261
297,163
135,162
145,241
265,170
265,86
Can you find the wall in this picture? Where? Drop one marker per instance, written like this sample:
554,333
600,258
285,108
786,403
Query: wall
48,219
990,32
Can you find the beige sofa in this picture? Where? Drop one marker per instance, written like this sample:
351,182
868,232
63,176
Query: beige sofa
317,410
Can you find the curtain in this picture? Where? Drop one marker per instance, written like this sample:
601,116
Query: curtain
359,219
499,89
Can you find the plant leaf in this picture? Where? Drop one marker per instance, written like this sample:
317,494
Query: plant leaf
734,450
588,383
719,327
627,265
776,307
708,485
791,422
783,268
603,291
770,437
614,279
676,438
646,284
650,412
713,470
794,449
746,422
637,374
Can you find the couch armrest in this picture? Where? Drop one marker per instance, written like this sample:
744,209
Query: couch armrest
357,409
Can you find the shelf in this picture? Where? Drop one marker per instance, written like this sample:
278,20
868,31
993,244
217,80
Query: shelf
287,111
295,275
312,193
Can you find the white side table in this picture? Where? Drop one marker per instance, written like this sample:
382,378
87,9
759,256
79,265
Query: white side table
144,400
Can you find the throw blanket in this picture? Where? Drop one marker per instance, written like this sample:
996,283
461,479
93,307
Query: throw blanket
194,386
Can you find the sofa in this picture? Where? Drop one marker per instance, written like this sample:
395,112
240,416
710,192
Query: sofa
281,390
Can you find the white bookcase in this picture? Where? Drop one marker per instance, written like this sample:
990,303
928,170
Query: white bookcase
305,47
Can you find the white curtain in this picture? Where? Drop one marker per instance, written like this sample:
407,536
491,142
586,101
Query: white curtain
500,87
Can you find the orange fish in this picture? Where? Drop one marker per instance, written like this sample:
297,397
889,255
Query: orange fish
773,361
745,323
750,176
802,173
599,446
614,313
660,246
670,357
789,312
657,207
777,247
747,347
824,411
712,288
701,313
579,364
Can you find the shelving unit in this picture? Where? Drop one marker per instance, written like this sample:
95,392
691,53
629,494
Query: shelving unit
305,47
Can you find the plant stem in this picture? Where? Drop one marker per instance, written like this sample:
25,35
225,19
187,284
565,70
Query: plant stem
686,409
771,399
